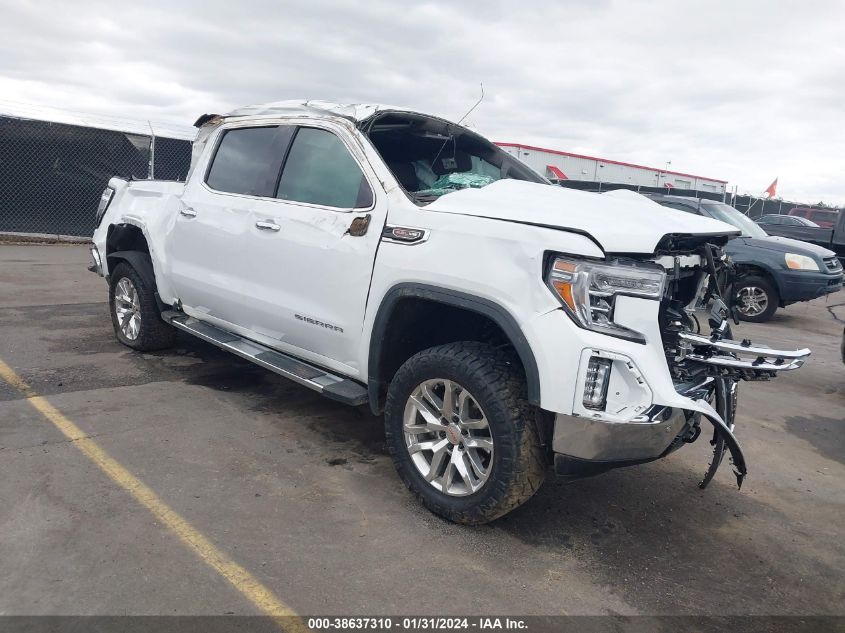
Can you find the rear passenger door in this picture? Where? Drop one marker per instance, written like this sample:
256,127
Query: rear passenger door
313,248
207,248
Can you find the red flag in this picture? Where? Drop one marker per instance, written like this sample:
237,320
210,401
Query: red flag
772,188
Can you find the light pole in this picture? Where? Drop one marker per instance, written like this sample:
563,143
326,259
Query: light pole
665,170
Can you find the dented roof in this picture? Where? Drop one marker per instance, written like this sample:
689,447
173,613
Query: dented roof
307,108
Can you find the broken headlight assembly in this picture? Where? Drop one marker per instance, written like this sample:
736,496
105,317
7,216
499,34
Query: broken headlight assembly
588,290
105,201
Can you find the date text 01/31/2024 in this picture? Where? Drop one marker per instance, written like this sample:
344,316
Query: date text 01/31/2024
416,623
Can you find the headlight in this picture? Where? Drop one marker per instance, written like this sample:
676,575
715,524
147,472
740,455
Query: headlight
588,291
800,262
105,199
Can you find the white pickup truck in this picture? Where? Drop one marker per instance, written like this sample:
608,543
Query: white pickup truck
502,325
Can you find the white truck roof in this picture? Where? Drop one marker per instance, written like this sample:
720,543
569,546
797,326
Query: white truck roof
310,108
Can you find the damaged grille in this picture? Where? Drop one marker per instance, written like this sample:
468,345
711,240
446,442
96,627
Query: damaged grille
694,354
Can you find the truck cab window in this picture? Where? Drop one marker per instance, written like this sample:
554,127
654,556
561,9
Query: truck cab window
320,170
247,160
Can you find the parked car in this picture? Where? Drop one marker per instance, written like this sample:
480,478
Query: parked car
774,219
391,258
825,218
772,271
832,238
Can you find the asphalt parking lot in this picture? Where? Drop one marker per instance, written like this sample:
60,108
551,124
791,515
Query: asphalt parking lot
300,492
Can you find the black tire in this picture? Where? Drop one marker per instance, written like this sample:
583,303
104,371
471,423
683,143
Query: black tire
497,383
764,285
154,333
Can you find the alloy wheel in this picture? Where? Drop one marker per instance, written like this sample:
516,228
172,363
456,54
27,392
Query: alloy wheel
448,437
127,307
752,301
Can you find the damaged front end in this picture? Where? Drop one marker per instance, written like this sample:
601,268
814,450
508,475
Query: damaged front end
653,372
712,361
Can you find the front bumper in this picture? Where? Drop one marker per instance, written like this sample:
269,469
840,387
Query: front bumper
590,442
586,446
806,285
597,444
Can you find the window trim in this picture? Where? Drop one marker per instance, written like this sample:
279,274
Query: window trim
237,125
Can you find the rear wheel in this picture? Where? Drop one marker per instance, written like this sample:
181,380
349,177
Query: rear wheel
461,432
134,312
756,299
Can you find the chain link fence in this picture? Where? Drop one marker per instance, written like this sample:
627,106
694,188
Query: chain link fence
52,174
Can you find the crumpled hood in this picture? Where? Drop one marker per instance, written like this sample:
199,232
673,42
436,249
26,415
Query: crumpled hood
620,223
788,245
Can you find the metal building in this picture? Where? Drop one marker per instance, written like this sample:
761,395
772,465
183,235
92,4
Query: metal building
557,165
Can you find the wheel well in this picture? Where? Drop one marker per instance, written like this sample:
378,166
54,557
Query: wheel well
126,243
408,323
749,270
125,237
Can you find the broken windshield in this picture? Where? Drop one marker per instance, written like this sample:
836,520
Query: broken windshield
432,157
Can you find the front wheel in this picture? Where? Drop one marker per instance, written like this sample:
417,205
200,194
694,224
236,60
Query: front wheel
756,299
462,434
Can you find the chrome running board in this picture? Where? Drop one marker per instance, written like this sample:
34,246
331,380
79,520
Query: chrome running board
330,385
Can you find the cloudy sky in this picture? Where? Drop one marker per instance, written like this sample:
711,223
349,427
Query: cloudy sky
742,91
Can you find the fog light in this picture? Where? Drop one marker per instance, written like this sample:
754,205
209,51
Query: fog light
595,386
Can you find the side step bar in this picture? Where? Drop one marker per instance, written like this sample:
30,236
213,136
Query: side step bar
335,387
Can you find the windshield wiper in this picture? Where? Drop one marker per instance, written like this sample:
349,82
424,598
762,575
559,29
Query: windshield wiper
425,197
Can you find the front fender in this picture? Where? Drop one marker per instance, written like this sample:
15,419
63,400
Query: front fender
770,268
496,313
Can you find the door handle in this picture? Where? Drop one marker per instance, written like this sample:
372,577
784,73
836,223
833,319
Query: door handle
188,212
267,225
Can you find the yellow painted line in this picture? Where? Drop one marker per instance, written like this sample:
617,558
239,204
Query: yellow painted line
249,586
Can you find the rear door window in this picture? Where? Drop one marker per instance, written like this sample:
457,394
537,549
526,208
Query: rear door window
247,160
320,170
